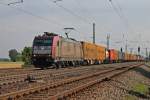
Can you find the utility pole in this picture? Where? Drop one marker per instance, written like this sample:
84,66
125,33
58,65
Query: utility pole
146,52
138,50
126,47
121,50
149,56
108,38
93,33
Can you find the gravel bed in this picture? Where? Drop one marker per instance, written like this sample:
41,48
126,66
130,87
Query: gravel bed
124,87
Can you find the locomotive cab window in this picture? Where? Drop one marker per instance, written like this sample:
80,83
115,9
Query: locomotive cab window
43,42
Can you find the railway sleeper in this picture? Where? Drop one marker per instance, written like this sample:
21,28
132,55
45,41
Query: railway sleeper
50,86
81,87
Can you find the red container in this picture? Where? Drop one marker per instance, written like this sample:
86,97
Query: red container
113,55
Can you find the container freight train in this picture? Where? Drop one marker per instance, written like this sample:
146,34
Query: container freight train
53,50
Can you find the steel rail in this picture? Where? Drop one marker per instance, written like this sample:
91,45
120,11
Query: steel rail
24,92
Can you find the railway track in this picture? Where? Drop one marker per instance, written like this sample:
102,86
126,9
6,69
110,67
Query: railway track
14,72
14,84
45,78
21,84
38,74
60,89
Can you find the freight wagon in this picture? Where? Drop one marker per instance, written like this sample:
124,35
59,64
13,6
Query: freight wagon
121,56
93,54
126,57
113,56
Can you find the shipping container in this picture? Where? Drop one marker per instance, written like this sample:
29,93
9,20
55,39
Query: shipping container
120,56
102,54
113,55
126,56
93,54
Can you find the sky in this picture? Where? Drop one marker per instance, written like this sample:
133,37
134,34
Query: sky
126,21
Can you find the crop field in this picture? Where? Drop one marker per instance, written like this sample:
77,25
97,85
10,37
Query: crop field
5,65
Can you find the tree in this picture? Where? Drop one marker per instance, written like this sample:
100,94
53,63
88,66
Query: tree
26,55
13,54
19,57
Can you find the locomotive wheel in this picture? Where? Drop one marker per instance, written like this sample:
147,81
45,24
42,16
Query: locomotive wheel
62,64
73,63
43,67
77,63
66,63
55,65
59,65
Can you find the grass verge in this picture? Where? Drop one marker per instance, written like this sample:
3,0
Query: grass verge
141,88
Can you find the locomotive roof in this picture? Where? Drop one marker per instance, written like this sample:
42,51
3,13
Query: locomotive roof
46,35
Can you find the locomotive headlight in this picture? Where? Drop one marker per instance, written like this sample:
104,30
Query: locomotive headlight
34,55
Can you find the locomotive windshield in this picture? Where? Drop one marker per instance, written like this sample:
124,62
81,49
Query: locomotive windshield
42,45
42,42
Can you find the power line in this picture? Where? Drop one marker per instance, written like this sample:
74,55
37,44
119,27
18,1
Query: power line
71,12
12,3
83,8
125,18
32,14
115,9
120,13
120,8
43,18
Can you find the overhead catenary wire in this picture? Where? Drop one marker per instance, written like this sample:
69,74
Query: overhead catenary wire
12,3
36,16
127,21
74,14
117,11
71,12
117,8
32,14
45,19
83,8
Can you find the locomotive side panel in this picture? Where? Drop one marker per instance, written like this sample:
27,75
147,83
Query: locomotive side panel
79,51
69,50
